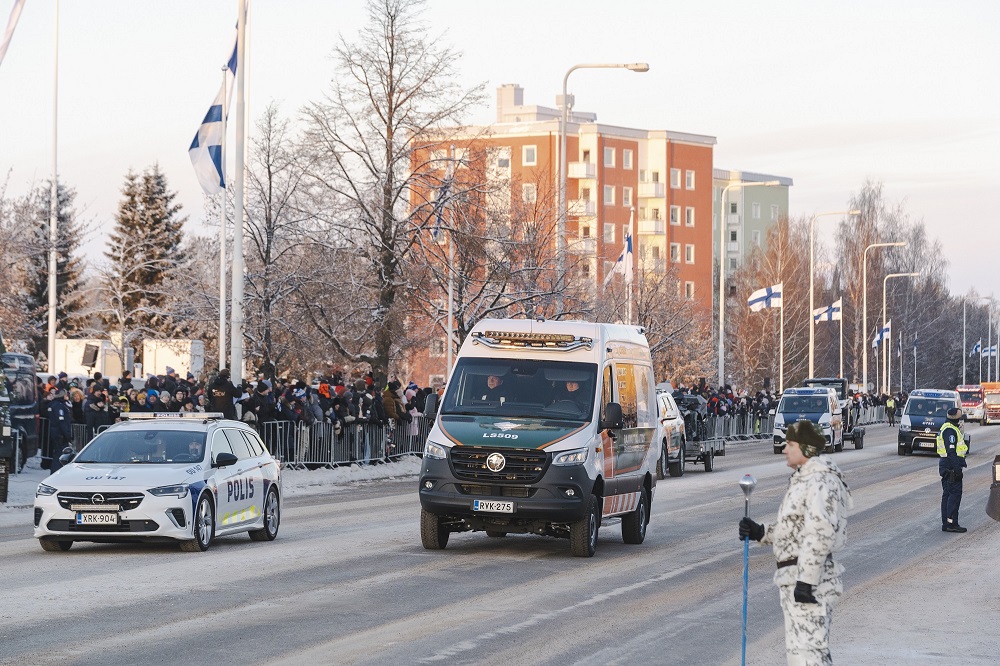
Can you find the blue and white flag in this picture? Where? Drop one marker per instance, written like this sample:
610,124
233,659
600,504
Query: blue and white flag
15,13
880,337
899,345
977,348
831,313
768,297
623,265
990,351
206,149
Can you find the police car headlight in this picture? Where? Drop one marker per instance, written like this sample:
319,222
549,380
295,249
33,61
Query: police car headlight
44,490
178,491
574,457
435,451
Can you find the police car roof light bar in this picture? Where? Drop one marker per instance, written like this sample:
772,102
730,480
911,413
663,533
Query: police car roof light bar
138,416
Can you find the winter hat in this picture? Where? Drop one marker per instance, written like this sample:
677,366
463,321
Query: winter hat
954,414
808,436
63,375
190,375
299,393
170,370
152,393
262,387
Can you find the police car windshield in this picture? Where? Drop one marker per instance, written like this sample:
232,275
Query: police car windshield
521,388
145,447
812,404
928,407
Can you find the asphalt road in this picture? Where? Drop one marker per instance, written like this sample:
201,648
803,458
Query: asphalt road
347,581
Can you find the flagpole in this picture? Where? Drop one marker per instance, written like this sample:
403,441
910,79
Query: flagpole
629,279
54,206
781,346
899,350
841,375
222,227
236,344
451,270
888,365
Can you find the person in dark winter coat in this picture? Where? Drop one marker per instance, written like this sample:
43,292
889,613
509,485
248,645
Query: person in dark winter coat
60,428
222,394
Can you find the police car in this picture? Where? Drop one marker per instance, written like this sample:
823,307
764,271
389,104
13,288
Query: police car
925,412
820,405
165,477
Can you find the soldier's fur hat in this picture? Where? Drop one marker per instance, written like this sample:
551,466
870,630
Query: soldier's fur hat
808,436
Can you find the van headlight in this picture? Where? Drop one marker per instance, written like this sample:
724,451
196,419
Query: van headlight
574,457
904,427
44,490
435,451
179,491
779,420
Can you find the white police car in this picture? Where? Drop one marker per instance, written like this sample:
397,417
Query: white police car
163,477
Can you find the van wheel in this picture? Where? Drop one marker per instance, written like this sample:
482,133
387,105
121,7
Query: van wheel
859,441
634,524
55,546
710,461
433,533
677,468
583,533
778,449
661,463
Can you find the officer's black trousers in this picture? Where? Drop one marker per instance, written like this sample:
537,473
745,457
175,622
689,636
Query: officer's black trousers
951,498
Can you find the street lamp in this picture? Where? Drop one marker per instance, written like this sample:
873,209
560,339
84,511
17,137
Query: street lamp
812,305
864,315
886,376
564,121
965,363
722,270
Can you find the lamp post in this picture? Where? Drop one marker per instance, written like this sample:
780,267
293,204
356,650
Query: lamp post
812,256
885,373
722,269
965,301
864,308
564,121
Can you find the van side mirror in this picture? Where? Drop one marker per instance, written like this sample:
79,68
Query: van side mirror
612,417
225,460
431,406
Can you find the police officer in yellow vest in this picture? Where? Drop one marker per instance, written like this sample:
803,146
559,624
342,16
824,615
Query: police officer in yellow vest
951,448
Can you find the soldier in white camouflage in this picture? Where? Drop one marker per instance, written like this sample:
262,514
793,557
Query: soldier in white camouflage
811,526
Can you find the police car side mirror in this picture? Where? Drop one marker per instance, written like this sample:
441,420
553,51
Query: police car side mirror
67,458
225,460
431,406
612,417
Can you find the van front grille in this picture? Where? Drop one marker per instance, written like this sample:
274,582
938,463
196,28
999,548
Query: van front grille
520,465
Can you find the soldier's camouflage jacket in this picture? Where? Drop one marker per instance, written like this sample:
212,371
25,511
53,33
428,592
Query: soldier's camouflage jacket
811,523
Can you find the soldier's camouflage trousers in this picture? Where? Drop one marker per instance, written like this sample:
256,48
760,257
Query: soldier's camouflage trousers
807,626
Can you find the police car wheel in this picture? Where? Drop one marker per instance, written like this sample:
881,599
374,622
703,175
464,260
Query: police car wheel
634,524
433,533
204,527
583,533
50,546
272,518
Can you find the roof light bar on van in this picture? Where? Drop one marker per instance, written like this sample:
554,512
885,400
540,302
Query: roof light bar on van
520,339
139,416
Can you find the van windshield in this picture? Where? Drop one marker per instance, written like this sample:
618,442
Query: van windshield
522,388
928,407
971,396
812,404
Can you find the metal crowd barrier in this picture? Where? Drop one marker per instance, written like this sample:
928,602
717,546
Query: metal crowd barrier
324,444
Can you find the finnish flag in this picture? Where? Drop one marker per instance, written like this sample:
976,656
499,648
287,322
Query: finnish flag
831,313
623,264
768,297
206,149
977,348
882,334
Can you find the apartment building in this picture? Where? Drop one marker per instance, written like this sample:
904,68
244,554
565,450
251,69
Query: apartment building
750,212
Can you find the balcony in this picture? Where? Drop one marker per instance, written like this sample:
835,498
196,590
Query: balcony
652,226
581,245
652,190
734,219
581,170
733,246
581,208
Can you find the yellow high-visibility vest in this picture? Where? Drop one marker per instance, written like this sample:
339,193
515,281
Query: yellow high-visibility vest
961,449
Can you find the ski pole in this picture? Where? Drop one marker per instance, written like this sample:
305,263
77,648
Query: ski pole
747,484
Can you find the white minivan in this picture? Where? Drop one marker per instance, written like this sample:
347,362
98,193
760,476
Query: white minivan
546,427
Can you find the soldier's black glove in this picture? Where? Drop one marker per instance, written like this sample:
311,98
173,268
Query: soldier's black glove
804,593
750,529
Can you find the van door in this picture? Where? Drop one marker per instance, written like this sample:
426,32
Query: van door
633,444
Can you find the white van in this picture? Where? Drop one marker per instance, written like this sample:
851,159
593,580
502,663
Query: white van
546,427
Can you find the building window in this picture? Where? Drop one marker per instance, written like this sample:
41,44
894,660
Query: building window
689,216
689,290
462,157
675,215
609,156
585,231
529,192
655,177
609,195
503,162
732,263
438,346
624,231
656,214
733,210
732,236
689,254
774,212
656,252
675,252
529,156
439,156
675,179
609,233
626,196
689,180
585,193
755,210
626,158
755,237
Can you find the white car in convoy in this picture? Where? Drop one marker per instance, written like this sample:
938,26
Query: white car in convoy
163,477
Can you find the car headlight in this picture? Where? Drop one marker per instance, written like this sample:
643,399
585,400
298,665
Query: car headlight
44,490
178,491
779,420
574,457
904,427
435,451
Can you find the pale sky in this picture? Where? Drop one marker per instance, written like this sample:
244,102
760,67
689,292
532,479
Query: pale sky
829,94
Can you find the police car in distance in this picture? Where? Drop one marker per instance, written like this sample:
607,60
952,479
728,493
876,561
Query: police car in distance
166,477
820,404
925,412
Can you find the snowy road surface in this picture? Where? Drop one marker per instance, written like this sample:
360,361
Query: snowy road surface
347,581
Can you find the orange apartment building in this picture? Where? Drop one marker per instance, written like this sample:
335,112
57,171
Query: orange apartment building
663,178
